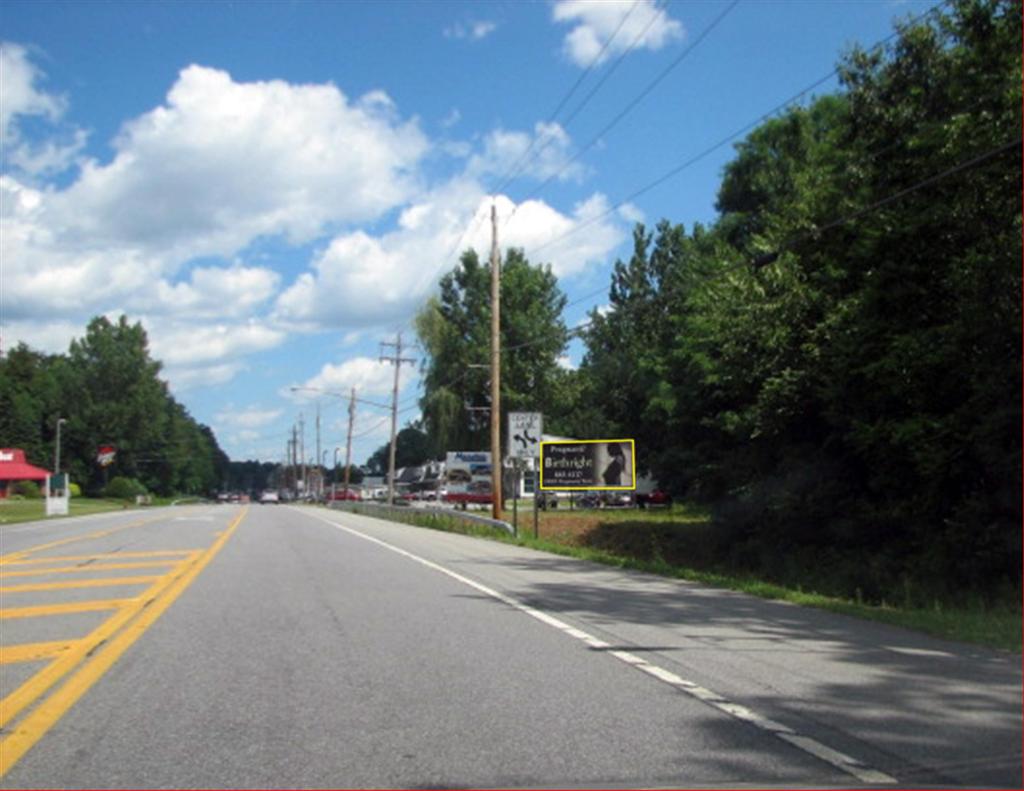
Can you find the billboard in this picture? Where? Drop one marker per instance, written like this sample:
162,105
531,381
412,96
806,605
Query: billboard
468,475
588,464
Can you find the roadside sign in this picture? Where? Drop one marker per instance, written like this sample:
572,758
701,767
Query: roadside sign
524,434
105,455
588,464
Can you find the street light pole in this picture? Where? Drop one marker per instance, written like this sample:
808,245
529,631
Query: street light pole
56,462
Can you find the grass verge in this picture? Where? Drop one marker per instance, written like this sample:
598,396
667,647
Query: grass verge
993,627
13,511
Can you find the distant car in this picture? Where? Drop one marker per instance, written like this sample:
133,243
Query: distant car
657,498
343,494
270,497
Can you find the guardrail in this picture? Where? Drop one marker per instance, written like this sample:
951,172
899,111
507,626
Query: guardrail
401,513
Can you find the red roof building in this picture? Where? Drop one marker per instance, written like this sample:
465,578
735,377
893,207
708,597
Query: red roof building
13,467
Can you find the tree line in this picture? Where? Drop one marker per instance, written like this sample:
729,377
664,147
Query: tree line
834,364
107,388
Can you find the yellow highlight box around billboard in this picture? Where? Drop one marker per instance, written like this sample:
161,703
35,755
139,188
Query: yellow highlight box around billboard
588,465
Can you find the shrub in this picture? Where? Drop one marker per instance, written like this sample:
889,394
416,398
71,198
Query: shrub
75,490
27,489
121,488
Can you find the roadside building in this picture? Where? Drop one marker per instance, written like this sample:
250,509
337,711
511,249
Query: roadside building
14,468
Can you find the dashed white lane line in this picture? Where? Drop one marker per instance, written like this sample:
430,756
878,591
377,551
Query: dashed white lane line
834,758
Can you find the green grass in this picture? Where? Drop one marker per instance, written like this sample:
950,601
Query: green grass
14,510
990,626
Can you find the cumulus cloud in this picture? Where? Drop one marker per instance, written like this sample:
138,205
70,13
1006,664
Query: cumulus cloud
223,162
22,96
473,31
18,81
541,155
370,377
249,418
549,236
167,230
362,279
185,343
220,165
213,292
645,27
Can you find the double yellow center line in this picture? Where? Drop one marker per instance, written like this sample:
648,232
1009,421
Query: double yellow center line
86,660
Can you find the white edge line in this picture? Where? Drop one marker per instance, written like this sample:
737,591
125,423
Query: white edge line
834,758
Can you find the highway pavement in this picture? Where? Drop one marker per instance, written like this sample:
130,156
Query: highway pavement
296,647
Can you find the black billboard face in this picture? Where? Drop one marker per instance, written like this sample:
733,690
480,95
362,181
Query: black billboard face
590,464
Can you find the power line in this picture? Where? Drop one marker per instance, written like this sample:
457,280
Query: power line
516,168
674,171
637,99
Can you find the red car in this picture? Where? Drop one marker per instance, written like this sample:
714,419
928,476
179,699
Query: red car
344,494
656,498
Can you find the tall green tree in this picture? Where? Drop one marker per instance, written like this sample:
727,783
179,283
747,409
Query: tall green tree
109,392
412,448
454,330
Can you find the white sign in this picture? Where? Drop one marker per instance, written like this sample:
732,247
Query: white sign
524,434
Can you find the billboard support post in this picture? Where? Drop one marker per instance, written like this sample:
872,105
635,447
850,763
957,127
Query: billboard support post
536,500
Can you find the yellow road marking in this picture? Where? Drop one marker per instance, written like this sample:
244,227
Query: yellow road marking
50,544
57,586
95,605
148,564
43,717
33,652
101,556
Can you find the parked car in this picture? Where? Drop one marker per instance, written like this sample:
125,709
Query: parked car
343,494
656,498
270,496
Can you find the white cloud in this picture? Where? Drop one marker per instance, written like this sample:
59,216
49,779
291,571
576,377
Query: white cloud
399,269
222,163
451,119
163,231
370,377
595,22
183,379
213,292
218,166
542,155
20,96
474,31
249,418
548,236
190,345
18,79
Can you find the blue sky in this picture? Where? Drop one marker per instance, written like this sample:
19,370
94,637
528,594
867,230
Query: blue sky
274,188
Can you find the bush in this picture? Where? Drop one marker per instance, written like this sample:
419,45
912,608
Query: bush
75,490
27,489
121,488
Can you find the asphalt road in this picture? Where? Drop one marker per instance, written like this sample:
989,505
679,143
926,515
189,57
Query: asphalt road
298,648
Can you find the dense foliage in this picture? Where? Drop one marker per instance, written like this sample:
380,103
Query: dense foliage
455,333
108,390
834,365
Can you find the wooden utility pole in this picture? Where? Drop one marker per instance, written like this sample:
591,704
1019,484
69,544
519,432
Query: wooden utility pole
302,453
496,462
397,360
319,459
348,441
